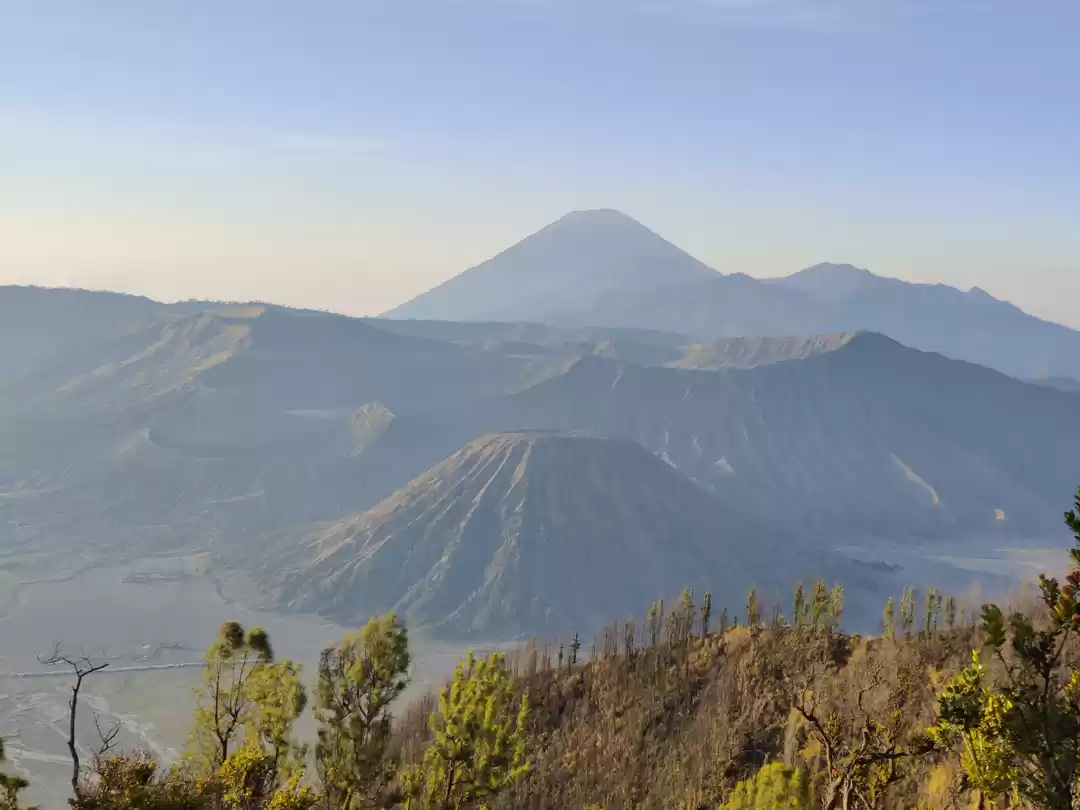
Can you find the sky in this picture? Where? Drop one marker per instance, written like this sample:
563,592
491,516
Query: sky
348,154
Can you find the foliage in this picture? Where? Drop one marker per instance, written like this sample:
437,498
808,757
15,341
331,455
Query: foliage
859,742
135,782
478,747
10,787
1024,735
774,787
907,611
819,605
888,620
972,718
248,780
835,610
753,609
359,679
225,705
278,699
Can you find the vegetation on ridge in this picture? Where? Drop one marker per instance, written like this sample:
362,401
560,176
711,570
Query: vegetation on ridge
667,714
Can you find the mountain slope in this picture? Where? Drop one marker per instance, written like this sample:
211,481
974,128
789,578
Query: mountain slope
972,325
566,266
755,351
869,440
829,298
39,325
534,532
603,269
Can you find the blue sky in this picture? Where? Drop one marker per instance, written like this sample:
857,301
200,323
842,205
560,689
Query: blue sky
348,154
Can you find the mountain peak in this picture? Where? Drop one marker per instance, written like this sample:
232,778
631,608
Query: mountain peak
479,544
568,266
599,215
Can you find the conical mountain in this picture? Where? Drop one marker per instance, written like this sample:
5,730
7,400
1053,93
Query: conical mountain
568,266
536,532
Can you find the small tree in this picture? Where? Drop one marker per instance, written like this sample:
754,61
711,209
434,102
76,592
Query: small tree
575,648
724,621
888,620
753,609
706,613
907,611
972,720
860,750
359,680
1025,735
931,610
950,612
278,699
82,668
479,742
798,607
224,702
835,612
819,605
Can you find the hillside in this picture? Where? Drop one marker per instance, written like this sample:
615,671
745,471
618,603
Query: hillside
535,532
40,325
210,430
869,439
567,265
756,351
971,325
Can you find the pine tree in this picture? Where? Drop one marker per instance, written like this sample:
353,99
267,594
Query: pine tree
724,620
836,607
819,605
575,647
753,609
798,607
931,607
225,705
706,613
279,698
907,611
776,620
359,680
888,620
950,612
478,746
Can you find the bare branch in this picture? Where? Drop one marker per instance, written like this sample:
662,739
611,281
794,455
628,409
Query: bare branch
81,667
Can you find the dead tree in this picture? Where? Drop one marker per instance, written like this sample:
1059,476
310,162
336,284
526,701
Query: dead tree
81,668
859,749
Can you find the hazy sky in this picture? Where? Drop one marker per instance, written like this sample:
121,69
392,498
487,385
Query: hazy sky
348,154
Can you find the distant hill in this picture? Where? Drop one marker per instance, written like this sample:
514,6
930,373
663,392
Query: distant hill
603,269
972,325
570,264
536,533
39,325
213,428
